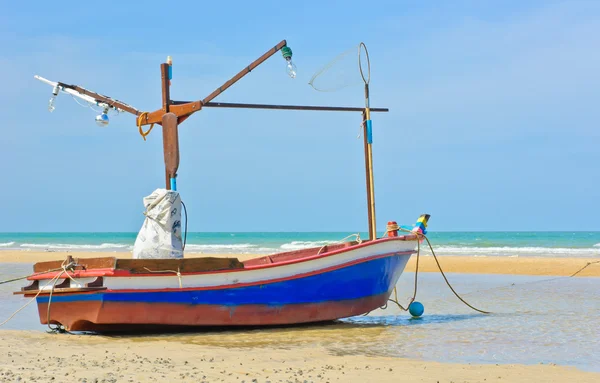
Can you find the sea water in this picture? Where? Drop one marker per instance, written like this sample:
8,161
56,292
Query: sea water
542,244
533,320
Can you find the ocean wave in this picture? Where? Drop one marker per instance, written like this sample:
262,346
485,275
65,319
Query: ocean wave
507,250
597,245
223,248
299,245
68,246
7,244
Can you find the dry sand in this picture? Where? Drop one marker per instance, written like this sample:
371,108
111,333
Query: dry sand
451,264
38,357
27,356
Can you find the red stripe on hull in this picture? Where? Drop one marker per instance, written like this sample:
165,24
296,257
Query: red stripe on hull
114,316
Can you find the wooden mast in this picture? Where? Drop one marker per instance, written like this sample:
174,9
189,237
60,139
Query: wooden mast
368,140
170,131
369,180
174,112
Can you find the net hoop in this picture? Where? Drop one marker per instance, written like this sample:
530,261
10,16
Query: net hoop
362,46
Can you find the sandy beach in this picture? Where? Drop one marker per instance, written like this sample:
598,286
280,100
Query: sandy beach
28,356
452,264
350,352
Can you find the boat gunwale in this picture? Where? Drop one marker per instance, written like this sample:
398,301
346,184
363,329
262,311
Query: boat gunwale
113,272
228,286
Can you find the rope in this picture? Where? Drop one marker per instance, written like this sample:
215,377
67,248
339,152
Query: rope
139,124
414,296
64,267
444,275
56,329
53,280
391,227
41,289
394,227
89,105
534,282
27,276
357,236
583,268
178,273
186,225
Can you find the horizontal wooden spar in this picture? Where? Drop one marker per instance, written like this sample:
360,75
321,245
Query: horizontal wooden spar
183,109
290,107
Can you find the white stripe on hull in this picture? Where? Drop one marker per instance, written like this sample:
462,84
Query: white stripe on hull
257,275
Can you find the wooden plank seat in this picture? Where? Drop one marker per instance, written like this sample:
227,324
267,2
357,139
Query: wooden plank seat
141,266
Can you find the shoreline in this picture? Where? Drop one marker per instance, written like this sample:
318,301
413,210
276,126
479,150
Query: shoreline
75,358
541,266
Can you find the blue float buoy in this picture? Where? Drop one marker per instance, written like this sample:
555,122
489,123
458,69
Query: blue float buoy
416,309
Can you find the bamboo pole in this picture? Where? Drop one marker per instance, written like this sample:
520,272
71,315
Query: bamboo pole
368,140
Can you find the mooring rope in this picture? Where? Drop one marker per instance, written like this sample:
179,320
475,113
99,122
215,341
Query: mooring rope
52,282
583,268
57,328
534,282
394,227
30,275
446,279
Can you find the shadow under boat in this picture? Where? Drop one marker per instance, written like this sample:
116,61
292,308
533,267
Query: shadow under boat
352,323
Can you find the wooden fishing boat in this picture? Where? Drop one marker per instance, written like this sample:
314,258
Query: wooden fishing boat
318,284
310,285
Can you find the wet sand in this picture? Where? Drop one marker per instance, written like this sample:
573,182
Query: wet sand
33,356
453,264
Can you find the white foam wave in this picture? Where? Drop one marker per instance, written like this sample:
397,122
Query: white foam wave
266,250
597,245
515,251
7,244
223,248
299,245
68,246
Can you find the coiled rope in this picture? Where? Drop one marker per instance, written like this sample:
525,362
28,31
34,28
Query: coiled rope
139,124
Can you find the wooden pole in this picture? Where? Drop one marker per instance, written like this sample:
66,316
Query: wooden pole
166,87
170,133
244,72
287,107
368,175
170,149
368,140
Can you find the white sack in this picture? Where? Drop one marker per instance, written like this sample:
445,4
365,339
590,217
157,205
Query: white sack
160,235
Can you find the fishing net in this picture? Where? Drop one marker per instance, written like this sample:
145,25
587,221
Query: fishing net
349,68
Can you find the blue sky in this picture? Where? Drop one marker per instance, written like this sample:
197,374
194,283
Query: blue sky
493,122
